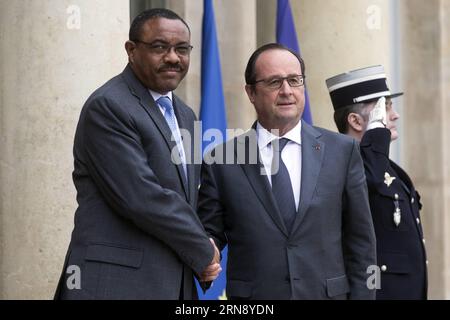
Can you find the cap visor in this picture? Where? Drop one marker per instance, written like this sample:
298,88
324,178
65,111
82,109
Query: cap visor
395,95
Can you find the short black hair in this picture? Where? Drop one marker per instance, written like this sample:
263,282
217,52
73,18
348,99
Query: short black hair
341,115
250,74
142,18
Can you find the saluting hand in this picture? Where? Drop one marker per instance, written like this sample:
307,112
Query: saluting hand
377,117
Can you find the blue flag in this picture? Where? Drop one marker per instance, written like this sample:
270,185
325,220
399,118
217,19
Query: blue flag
213,116
287,36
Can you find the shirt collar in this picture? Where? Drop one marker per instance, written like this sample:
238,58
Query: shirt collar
157,95
265,137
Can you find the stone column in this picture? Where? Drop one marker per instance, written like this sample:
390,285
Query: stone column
426,77
337,36
54,53
236,33
445,94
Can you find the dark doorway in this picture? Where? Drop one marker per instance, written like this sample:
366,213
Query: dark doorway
137,6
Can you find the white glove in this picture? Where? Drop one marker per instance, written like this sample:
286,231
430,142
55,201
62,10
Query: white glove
377,117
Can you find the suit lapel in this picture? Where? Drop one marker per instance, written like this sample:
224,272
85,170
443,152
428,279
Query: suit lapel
150,106
312,157
258,180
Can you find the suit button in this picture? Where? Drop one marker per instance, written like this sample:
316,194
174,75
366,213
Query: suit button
412,200
383,268
418,220
396,196
426,262
423,240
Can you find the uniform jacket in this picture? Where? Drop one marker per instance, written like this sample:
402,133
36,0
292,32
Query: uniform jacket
400,248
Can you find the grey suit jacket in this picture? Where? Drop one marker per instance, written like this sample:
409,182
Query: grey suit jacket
136,233
332,241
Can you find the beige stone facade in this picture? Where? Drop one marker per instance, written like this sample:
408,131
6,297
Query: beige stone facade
54,53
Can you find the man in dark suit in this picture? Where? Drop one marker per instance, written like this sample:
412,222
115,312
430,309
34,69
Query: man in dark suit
297,226
137,235
364,111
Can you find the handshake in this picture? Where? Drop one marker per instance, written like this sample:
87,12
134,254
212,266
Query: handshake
213,270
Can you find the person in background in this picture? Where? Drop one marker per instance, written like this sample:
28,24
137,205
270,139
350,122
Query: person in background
363,110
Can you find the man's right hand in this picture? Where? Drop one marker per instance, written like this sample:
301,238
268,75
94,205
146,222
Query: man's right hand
213,270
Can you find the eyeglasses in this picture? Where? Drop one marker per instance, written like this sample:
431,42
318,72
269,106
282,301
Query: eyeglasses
162,49
276,83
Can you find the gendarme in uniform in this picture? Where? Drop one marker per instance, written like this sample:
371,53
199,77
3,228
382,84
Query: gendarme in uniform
394,202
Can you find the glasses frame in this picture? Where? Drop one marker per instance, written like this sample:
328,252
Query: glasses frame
168,49
265,81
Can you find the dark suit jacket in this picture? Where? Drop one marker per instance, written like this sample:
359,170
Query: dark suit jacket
136,233
400,249
332,242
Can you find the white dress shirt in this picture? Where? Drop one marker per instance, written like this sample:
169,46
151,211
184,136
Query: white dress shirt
291,155
156,96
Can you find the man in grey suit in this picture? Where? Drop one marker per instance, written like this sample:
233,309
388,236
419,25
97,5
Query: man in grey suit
296,219
136,233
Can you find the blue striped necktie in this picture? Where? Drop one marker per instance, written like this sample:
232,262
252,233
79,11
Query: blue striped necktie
169,115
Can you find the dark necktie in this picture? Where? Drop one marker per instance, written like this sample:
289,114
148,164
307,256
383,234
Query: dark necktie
281,185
